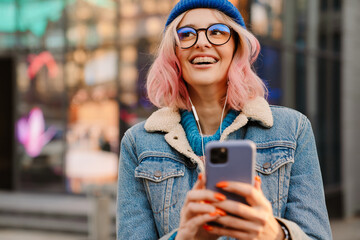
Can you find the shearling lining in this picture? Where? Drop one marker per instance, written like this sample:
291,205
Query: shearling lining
167,120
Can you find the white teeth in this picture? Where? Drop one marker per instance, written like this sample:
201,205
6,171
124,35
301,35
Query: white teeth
203,60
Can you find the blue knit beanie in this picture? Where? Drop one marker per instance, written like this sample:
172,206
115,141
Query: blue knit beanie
222,5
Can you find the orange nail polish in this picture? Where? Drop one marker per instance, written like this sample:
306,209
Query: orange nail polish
257,182
220,212
220,196
222,184
200,176
213,214
207,227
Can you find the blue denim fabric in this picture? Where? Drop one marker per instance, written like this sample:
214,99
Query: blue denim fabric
154,179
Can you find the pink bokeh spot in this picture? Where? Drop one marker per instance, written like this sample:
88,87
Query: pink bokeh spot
38,61
30,132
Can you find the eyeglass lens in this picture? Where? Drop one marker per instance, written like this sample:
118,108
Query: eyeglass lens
217,34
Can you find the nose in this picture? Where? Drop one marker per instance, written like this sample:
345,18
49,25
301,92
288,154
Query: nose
202,40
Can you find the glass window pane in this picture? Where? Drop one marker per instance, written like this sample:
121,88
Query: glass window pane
324,5
268,67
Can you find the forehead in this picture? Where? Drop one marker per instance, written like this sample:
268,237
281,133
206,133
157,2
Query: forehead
200,17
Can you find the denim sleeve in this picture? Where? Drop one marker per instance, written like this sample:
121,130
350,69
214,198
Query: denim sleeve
306,214
134,217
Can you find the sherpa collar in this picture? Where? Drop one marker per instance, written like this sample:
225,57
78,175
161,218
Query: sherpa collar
167,120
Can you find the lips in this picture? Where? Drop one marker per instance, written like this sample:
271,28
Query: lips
204,60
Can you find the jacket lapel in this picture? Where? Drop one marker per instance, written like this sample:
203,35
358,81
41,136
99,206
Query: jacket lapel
167,120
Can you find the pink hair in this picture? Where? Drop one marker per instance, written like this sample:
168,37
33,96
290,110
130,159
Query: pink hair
166,88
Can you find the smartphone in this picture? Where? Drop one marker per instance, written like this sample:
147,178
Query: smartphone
232,160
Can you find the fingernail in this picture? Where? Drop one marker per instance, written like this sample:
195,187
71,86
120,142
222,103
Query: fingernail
213,214
200,176
258,179
222,184
220,196
220,212
208,228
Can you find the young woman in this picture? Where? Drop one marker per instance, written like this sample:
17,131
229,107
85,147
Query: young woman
202,81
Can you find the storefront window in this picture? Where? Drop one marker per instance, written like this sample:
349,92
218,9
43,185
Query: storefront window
40,122
92,137
81,69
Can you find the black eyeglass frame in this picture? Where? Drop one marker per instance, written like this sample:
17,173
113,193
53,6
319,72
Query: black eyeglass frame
206,31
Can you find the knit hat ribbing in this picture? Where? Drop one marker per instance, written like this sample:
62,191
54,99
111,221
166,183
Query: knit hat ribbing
222,5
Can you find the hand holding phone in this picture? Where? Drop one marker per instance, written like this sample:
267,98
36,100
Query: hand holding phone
232,160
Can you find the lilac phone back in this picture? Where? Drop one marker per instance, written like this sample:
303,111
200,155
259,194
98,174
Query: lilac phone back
238,167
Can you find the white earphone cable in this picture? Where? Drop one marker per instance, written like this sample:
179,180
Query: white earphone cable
223,111
198,121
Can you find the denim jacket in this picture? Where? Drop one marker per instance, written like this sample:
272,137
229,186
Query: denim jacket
157,168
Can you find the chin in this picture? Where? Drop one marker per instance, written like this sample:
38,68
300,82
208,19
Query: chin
206,81
203,78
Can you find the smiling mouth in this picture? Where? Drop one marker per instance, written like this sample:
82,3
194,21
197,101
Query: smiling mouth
204,60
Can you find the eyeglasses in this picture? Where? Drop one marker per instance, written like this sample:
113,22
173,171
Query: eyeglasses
216,34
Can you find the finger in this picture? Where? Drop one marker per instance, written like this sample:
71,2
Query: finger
195,208
257,183
200,183
240,210
252,195
227,232
239,224
204,195
196,222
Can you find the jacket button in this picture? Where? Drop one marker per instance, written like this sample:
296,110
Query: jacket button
176,137
157,174
266,165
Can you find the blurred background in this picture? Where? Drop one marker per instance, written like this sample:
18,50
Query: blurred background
72,82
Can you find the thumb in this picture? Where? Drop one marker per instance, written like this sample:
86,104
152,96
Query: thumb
200,183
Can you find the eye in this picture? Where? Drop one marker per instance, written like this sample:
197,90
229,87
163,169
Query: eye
219,30
186,33
216,32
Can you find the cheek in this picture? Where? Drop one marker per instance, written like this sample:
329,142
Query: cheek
228,56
